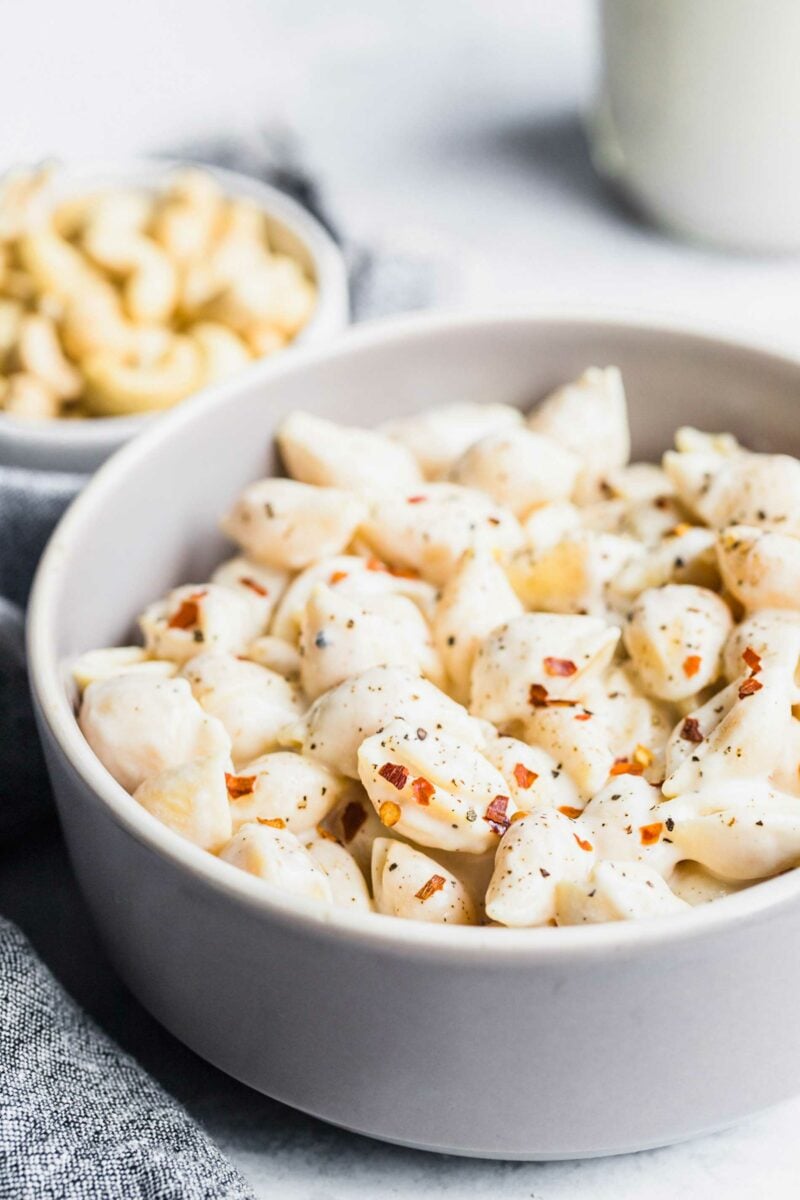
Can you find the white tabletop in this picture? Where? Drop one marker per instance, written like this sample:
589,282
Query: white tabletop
449,133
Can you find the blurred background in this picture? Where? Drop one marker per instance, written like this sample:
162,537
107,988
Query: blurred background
446,136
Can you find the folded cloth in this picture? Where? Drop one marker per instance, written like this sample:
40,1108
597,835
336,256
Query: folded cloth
24,792
31,503
78,1117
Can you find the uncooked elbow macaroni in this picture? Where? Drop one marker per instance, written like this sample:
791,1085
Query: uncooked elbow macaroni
127,300
466,669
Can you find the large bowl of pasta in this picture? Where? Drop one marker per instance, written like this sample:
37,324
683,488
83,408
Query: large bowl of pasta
422,718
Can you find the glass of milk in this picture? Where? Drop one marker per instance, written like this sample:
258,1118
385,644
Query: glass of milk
697,117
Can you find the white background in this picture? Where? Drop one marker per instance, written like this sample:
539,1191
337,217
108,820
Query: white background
438,126
449,131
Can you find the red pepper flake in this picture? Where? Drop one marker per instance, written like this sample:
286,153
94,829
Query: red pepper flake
752,659
253,584
650,834
416,499
570,812
496,814
690,730
336,577
584,845
524,777
539,697
395,774
273,822
327,835
691,665
623,766
422,790
375,564
584,716
389,813
353,818
188,614
559,666
748,688
433,885
239,785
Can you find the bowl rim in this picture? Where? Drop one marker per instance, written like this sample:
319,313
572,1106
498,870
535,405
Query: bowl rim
436,941
331,311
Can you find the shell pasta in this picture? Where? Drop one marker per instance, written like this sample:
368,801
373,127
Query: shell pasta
475,667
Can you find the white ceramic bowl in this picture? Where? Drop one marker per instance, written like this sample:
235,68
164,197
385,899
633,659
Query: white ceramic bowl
83,445
541,1043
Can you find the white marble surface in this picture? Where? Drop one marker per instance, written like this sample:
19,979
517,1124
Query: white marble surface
447,132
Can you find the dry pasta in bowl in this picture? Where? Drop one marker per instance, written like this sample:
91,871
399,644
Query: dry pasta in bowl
475,667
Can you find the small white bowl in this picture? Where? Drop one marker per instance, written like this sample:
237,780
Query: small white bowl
506,1043
81,446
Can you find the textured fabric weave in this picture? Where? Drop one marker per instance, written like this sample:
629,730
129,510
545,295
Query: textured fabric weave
78,1118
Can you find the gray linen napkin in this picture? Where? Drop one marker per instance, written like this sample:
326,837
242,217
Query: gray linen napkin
78,1117
30,504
